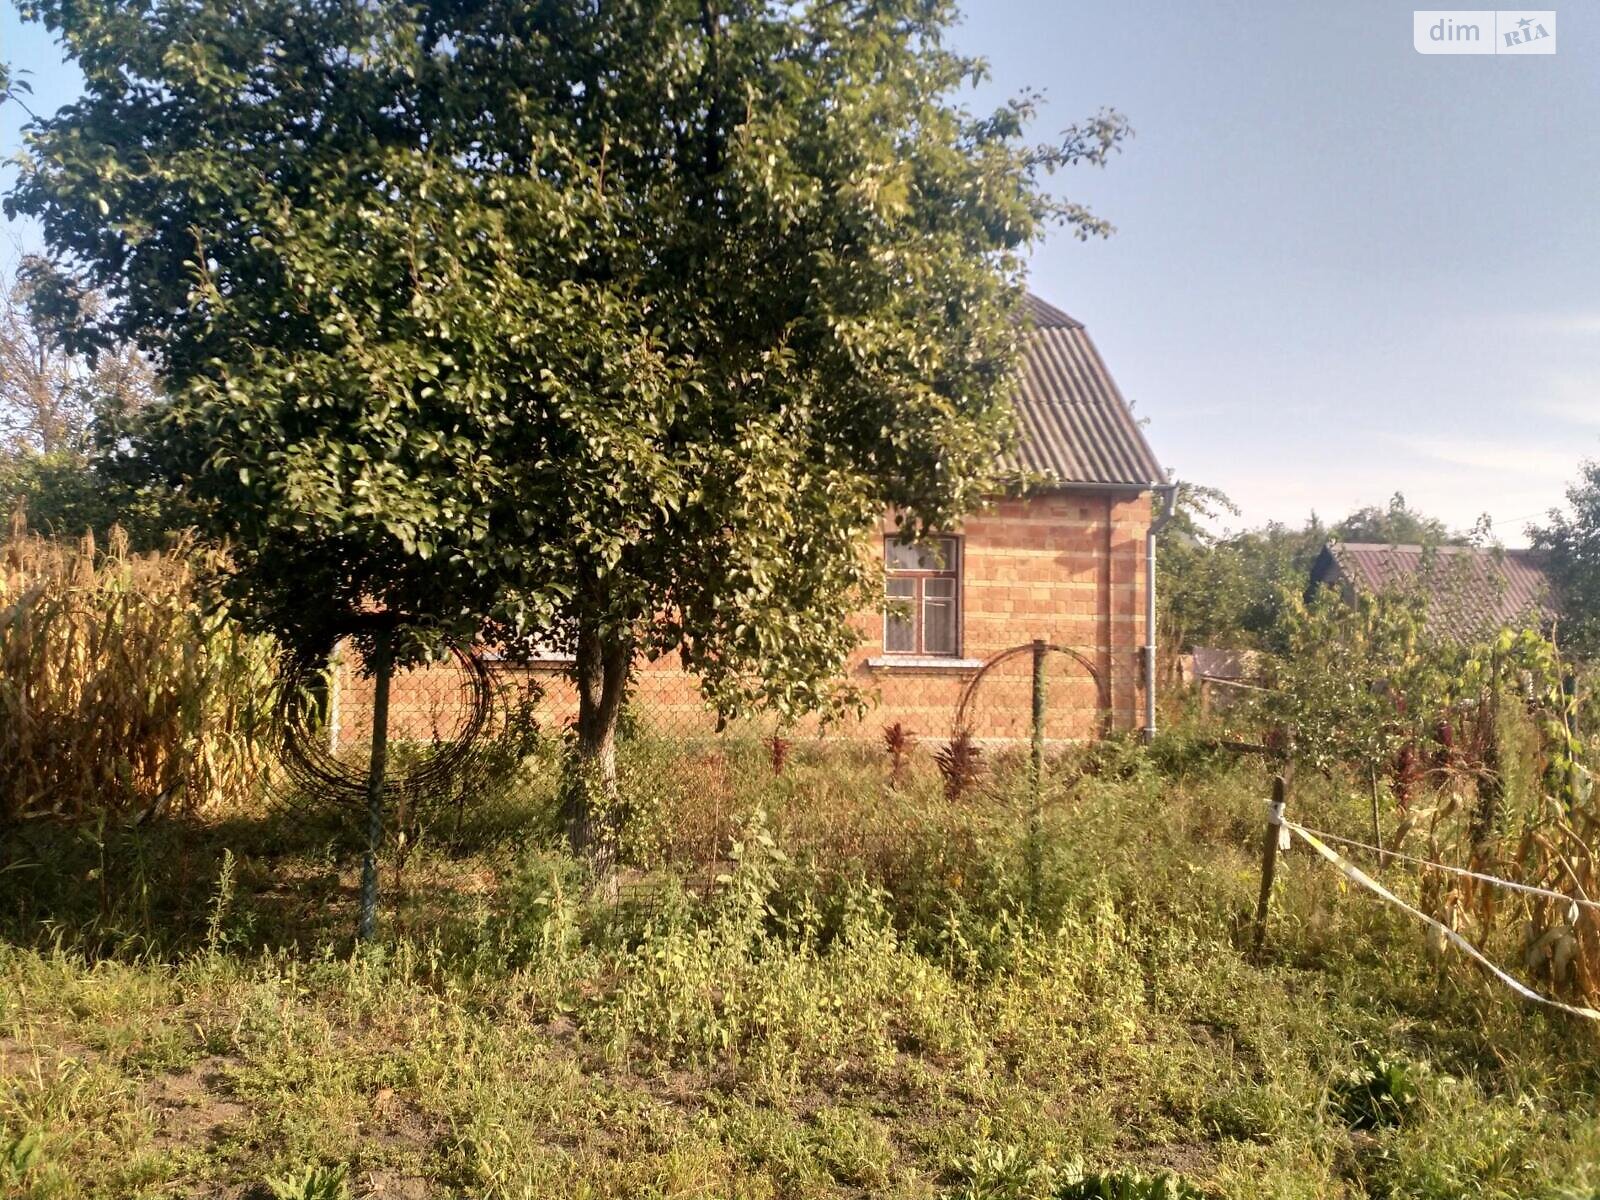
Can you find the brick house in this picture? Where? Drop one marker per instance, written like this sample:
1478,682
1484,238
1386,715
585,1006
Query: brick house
1066,561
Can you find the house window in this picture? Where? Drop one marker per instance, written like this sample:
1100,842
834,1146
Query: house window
923,590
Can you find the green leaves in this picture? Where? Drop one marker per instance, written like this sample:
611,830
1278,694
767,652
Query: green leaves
516,316
1379,1093
19,1155
1571,542
1358,679
314,1183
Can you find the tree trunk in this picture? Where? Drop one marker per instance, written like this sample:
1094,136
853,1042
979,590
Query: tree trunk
591,807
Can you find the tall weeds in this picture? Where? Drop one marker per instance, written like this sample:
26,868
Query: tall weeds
123,694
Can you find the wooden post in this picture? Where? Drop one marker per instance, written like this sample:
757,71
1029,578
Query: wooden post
1269,858
1377,830
381,665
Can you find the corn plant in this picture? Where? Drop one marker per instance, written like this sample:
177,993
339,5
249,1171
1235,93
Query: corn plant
1493,773
123,695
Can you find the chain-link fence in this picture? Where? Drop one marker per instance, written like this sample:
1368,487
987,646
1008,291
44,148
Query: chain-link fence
477,749
993,700
1035,694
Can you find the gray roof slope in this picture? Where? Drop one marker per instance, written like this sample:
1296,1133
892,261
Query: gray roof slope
1073,424
1473,591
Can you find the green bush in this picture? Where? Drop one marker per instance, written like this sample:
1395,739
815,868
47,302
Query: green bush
1127,1185
315,1183
1379,1093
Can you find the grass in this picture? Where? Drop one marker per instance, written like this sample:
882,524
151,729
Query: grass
892,994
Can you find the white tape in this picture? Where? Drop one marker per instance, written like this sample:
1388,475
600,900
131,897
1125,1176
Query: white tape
1454,938
1528,888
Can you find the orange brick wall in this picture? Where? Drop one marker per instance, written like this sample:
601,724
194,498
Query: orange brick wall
1067,567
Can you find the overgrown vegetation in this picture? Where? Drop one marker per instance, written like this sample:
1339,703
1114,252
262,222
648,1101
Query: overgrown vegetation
1223,587
614,328
889,993
1471,744
58,409
883,969
1570,539
478,315
1471,755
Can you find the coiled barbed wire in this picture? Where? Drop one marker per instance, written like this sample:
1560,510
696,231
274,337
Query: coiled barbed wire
431,770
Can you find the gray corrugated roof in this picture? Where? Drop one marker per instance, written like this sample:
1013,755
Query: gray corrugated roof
1042,315
1074,425
1472,591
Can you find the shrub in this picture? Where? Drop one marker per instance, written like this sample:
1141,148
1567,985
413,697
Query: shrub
1127,1185
1379,1093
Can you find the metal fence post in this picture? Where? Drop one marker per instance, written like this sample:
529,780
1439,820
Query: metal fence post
333,703
1034,847
1269,858
1037,764
381,667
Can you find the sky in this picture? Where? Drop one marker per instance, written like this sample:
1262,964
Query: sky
1342,269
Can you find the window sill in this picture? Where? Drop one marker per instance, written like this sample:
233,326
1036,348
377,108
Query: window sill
922,662
495,658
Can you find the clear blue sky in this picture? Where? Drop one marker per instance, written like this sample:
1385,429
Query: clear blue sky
1342,269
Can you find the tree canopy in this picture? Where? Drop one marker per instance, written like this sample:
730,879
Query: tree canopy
55,408
1225,589
614,326
1571,543
1395,524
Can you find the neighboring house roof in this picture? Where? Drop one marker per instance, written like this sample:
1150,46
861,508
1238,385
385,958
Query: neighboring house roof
1473,591
1211,662
1074,425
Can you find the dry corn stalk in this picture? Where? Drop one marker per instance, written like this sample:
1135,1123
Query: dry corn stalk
121,692
1533,835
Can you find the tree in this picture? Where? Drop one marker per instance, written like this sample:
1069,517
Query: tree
54,406
12,86
1232,588
49,397
1199,589
616,326
1396,524
1355,680
1227,589
1571,543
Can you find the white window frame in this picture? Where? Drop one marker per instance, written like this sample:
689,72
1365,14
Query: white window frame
919,579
